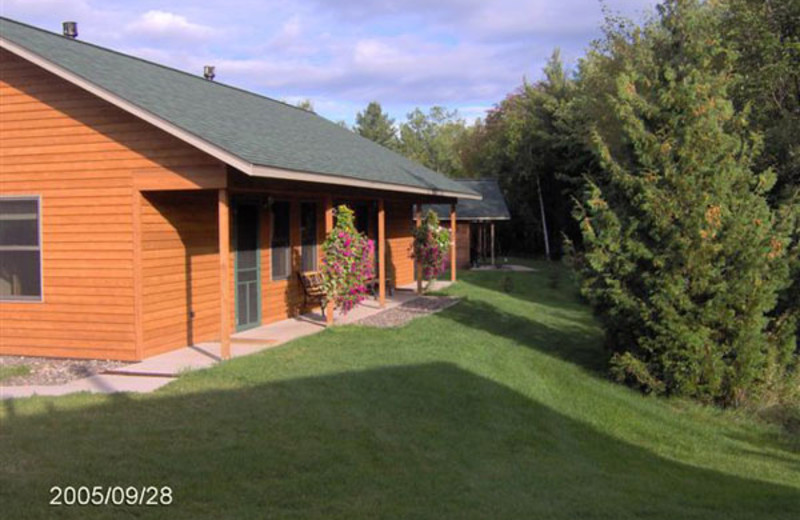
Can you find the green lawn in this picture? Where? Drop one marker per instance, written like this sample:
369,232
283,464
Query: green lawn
495,408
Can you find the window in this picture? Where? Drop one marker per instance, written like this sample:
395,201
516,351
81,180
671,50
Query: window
308,234
281,260
20,249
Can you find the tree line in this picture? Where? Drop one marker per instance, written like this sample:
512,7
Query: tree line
666,168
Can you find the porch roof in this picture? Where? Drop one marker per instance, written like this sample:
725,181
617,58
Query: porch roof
253,133
492,207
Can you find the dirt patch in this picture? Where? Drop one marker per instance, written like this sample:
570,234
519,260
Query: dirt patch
408,311
49,371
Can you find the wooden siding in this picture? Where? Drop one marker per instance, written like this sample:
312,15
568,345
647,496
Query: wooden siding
462,242
399,242
80,154
180,270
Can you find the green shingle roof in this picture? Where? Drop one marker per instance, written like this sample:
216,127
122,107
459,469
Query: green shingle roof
256,129
492,207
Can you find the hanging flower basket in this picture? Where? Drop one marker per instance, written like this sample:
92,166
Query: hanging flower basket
347,263
431,245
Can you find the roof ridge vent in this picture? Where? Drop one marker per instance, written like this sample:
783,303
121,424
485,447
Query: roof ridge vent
70,29
208,72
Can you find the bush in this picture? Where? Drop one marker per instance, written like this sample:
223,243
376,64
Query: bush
684,259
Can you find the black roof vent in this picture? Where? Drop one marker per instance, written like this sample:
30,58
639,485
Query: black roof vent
208,72
70,29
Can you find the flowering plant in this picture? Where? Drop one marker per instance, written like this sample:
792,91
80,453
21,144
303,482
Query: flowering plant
431,243
347,263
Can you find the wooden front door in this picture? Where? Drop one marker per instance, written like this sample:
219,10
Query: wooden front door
248,265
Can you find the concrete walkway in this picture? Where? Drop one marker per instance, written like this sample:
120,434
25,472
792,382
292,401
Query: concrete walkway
157,371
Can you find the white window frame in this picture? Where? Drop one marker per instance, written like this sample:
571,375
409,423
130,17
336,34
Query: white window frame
28,299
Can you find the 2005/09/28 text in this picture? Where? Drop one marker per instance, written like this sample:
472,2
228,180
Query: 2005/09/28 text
111,496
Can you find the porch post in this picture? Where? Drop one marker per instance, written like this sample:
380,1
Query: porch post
328,310
224,274
492,233
453,252
417,263
480,242
381,253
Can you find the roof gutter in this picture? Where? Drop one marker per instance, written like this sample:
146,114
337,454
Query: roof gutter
281,173
210,148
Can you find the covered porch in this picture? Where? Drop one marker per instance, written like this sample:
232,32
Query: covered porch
218,265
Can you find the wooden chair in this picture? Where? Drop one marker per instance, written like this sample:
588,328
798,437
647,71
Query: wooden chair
313,288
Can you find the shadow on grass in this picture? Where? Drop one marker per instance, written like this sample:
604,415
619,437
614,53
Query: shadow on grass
573,341
425,441
550,283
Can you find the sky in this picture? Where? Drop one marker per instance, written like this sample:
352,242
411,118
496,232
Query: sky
342,54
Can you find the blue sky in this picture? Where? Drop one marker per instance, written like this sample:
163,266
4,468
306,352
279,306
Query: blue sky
341,54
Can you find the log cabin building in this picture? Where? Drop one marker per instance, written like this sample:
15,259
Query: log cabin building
143,209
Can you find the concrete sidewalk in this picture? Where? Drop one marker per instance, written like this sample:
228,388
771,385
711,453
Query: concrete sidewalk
157,371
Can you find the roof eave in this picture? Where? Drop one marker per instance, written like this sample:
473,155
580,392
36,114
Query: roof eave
215,151
324,178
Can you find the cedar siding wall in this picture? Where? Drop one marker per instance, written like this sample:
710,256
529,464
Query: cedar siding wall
399,242
79,154
180,270
462,243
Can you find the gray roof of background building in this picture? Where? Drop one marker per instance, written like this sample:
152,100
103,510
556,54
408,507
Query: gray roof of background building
256,129
492,207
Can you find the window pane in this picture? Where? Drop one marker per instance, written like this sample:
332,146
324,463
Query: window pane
19,233
19,223
280,224
308,229
280,262
280,240
20,259
308,222
310,257
20,274
19,207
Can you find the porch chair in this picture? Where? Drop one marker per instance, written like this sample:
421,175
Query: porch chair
313,288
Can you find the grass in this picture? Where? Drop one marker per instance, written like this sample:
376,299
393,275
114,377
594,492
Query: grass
9,371
495,408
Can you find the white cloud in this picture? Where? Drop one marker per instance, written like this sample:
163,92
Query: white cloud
465,54
163,24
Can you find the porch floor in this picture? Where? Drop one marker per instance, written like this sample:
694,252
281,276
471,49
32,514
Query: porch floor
157,371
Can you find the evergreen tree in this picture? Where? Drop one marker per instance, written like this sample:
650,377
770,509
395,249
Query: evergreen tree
434,139
530,143
376,125
766,37
683,256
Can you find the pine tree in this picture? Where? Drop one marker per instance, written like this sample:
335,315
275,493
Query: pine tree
683,256
376,125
